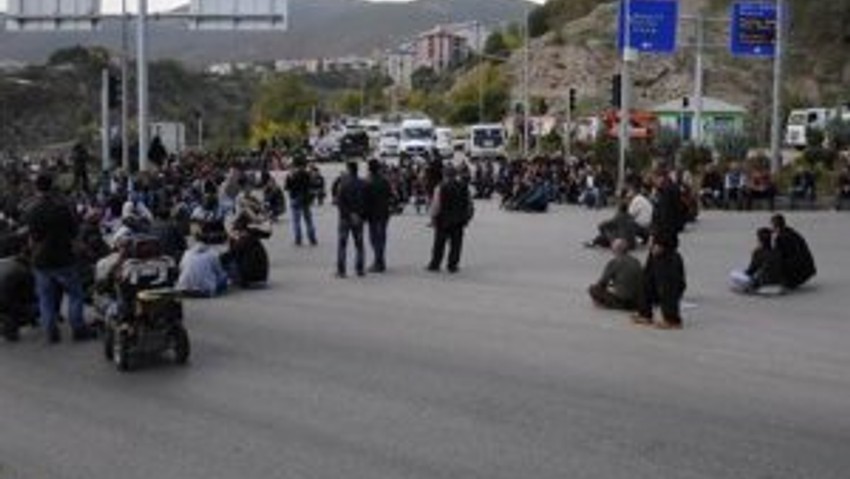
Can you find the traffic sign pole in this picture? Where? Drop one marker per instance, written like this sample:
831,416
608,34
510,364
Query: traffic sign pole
142,80
104,118
776,122
699,85
625,117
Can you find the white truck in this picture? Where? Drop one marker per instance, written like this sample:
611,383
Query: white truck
445,143
417,138
486,142
800,121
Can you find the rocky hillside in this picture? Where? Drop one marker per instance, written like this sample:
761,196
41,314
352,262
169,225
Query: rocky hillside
581,54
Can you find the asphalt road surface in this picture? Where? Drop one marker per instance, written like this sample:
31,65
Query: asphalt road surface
503,371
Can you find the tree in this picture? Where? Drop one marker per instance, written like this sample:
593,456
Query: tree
486,86
838,134
496,45
284,107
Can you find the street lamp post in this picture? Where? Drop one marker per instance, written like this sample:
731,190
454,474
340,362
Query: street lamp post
142,80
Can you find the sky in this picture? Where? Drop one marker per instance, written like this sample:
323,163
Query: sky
154,5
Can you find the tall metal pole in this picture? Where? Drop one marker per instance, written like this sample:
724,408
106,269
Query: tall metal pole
526,101
699,85
481,72
625,116
125,88
776,121
104,118
142,80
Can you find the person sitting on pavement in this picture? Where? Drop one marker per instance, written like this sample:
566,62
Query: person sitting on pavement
734,184
797,263
246,260
641,210
18,302
622,226
167,230
764,269
761,187
711,188
620,285
208,221
201,272
803,186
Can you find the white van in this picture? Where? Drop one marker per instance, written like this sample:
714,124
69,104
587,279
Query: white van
417,138
486,142
445,143
388,144
800,121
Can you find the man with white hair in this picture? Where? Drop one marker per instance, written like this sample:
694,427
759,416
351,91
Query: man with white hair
451,211
619,287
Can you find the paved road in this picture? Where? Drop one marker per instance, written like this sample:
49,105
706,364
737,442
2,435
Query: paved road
504,371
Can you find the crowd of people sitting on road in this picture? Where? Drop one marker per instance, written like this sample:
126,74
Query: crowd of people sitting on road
211,213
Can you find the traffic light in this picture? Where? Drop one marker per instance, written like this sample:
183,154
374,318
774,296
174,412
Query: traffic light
573,99
114,91
617,91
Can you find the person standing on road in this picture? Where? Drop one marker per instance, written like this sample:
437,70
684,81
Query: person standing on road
379,198
350,201
451,211
299,187
53,228
664,272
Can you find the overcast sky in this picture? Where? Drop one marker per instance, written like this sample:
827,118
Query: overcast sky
115,5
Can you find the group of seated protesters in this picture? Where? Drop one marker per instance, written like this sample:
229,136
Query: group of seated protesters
742,189
212,231
781,261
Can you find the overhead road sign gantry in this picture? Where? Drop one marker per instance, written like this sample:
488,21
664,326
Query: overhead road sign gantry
243,15
52,15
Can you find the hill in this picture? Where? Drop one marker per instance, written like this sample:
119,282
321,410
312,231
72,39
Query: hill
319,28
577,50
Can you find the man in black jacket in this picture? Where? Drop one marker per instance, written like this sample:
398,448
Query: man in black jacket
53,228
798,264
664,285
667,216
451,211
350,201
299,185
379,195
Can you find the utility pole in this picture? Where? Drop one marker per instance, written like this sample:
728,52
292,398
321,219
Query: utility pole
104,118
125,87
525,80
776,122
625,86
481,71
699,78
142,80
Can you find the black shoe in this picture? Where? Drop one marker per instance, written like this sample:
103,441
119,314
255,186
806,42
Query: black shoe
83,334
378,269
340,275
454,270
361,273
432,269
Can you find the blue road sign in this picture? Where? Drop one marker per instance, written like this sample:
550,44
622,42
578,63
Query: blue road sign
653,25
754,29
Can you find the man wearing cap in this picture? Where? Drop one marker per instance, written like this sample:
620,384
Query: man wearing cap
53,228
451,211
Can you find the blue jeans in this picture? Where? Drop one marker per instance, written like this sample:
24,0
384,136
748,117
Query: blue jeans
347,228
47,285
378,238
300,211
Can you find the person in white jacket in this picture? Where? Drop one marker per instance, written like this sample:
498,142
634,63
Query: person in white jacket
641,209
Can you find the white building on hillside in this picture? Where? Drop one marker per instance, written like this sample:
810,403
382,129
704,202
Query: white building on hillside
399,65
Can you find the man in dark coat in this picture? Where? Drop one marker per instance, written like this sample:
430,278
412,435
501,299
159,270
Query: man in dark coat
667,217
299,186
798,264
53,228
350,201
664,285
379,198
451,212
